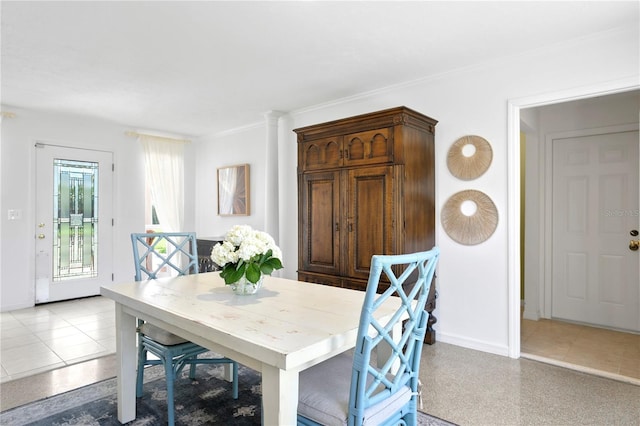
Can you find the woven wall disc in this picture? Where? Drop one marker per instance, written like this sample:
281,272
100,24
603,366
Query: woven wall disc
473,229
467,168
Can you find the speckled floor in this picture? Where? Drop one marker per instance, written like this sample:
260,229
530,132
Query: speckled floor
468,387
461,385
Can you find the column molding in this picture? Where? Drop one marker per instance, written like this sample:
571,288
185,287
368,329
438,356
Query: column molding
271,185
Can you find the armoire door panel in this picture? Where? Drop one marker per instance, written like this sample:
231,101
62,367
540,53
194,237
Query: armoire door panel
370,216
320,230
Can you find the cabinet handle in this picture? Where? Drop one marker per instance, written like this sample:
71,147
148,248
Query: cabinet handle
346,154
351,227
337,227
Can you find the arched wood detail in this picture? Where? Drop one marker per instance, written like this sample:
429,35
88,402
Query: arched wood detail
332,152
379,146
356,149
312,154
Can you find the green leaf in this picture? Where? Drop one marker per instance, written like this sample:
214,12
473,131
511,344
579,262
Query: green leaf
253,273
275,263
253,269
232,273
266,269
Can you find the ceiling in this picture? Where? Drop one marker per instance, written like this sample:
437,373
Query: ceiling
204,67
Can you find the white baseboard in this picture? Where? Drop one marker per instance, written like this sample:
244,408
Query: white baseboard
478,345
7,308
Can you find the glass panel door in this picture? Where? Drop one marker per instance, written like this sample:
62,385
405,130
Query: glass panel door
73,222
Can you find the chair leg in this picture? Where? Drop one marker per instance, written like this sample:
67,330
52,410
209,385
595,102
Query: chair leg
142,359
235,380
192,370
168,368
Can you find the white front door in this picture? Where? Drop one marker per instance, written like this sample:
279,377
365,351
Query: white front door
595,275
73,229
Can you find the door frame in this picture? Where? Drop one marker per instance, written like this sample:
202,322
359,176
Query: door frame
513,186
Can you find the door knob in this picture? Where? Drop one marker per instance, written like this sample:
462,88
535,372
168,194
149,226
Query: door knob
41,236
634,244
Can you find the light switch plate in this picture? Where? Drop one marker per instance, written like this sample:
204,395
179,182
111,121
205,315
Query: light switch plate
14,214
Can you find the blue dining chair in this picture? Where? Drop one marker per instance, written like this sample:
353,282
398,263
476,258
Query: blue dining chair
165,254
367,387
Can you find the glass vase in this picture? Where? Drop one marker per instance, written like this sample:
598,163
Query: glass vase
245,287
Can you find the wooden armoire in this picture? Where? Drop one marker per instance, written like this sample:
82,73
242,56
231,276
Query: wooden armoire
366,185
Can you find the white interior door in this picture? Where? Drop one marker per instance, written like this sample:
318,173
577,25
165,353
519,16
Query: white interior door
73,229
595,275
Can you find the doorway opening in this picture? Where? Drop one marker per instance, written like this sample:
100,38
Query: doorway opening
519,122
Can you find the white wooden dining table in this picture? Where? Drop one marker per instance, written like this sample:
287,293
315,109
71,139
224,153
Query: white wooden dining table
286,327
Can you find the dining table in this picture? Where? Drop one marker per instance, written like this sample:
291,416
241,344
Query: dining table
283,329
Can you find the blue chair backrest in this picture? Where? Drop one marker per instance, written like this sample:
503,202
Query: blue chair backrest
154,252
373,379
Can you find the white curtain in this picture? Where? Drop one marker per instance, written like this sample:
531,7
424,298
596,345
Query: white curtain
164,170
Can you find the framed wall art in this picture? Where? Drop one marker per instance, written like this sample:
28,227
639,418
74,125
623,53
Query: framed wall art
233,190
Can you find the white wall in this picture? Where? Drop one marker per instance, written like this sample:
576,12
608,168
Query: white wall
244,146
18,191
473,285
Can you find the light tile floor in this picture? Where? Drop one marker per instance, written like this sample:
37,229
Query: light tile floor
55,335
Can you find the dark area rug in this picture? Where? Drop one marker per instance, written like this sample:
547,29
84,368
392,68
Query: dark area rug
205,401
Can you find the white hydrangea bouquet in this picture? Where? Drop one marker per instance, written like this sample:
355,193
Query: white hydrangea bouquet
246,252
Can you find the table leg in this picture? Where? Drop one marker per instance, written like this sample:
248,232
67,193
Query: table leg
279,396
126,364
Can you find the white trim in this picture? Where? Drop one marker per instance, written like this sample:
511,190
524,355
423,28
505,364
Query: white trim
478,345
588,370
513,184
513,230
233,131
545,167
576,93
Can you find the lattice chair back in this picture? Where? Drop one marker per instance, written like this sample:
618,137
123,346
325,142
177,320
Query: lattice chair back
164,253
377,380
168,254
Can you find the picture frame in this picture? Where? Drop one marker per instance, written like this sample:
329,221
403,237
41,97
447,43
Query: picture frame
233,190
